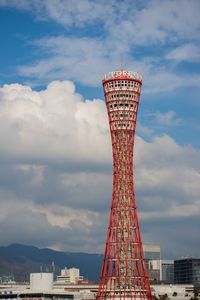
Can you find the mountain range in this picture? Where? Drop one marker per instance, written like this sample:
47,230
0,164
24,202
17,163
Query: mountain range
20,260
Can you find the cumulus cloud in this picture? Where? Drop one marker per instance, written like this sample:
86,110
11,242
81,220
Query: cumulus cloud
52,124
51,156
166,161
55,151
56,177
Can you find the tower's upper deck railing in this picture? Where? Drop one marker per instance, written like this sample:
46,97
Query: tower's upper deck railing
122,74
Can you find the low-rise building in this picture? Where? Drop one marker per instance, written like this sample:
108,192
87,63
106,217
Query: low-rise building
42,287
173,291
69,276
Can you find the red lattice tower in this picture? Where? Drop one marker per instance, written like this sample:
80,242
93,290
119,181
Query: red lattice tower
123,274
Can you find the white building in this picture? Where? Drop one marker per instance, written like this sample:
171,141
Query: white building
41,289
41,281
173,291
69,276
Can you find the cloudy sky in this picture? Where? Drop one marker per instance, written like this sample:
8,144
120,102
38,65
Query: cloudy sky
55,151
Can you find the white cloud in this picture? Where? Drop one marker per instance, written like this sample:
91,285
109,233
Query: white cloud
52,124
56,169
169,118
144,130
20,4
188,52
76,58
146,21
55,148
123,27
167,179
156,20
116,32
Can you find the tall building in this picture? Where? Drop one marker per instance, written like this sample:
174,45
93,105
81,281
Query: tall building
152,256
124,274
187,270
168,271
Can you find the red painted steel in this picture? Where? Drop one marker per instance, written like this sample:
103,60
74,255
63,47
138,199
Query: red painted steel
123,274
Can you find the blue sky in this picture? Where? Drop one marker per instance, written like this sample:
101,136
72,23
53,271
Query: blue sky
53,56
29,33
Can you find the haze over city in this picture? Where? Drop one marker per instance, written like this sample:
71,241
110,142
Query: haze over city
55,150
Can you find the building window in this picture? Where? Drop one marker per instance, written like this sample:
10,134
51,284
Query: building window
117,83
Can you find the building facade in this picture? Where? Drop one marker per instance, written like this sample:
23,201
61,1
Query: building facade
152,255
187,270
168,271
71,275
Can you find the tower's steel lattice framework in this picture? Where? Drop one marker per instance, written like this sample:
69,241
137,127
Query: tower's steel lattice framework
123,274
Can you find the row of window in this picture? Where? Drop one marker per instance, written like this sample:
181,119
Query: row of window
122,105
117,137
122,88
119,125
117,96
125,115
125,83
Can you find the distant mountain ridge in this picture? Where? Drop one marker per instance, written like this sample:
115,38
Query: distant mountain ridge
20,260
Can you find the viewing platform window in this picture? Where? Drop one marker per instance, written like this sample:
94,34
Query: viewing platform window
111,84
124,83
117,83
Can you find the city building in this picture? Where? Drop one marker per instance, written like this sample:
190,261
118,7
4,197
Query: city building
45,295
71,275
153,261
187,270
7,279
173,291
41,281
124,274
168,271
42,287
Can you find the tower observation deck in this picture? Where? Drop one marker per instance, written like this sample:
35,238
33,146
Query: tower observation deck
123,274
